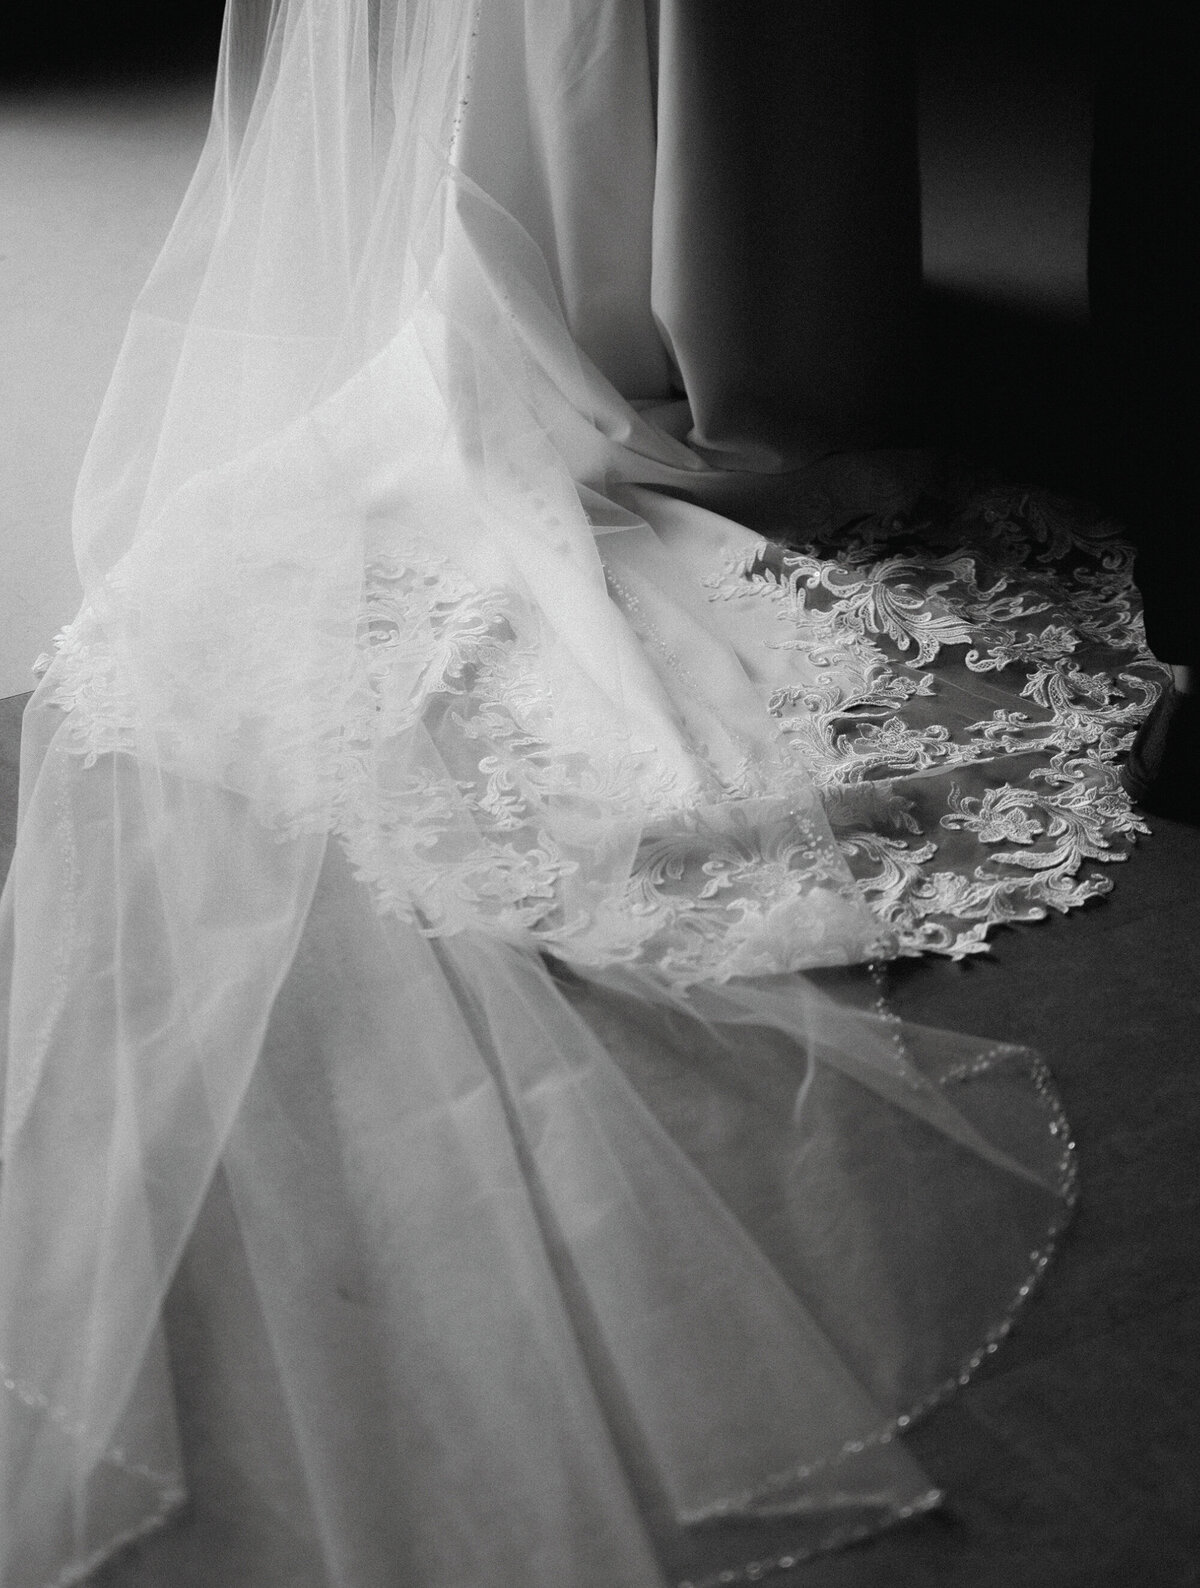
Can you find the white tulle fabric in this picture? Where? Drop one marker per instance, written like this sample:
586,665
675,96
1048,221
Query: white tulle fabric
413,886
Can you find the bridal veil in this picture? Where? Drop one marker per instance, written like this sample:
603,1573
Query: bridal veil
445,1138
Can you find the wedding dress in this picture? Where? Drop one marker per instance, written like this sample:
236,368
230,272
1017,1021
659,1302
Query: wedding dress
446,842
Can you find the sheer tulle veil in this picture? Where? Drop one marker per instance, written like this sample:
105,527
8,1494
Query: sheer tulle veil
428,957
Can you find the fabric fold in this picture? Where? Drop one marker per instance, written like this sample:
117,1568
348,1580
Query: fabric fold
436,1136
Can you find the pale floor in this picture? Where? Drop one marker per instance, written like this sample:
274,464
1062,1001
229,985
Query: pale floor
89,183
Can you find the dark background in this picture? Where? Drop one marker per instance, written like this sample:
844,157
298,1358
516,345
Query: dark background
90,41
127,37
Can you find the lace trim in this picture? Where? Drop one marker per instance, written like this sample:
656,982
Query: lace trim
1040,597
963,668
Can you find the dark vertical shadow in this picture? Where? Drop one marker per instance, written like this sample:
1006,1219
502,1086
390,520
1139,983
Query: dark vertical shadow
1011,386
1006,87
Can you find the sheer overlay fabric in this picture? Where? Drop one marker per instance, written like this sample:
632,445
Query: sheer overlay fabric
436,900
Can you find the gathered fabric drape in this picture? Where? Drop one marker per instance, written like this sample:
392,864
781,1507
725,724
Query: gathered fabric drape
445,1138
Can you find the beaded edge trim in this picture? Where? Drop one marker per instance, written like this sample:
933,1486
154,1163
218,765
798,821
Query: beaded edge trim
1068,1192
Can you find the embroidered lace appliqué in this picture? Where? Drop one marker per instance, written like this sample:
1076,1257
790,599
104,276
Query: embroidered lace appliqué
972,774
970,664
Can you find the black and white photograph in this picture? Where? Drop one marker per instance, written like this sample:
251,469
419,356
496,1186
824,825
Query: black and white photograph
600,794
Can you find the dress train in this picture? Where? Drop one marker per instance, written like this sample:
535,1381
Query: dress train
439,1059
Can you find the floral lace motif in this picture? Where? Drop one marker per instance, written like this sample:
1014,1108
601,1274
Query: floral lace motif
972,774
969,664
709,875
